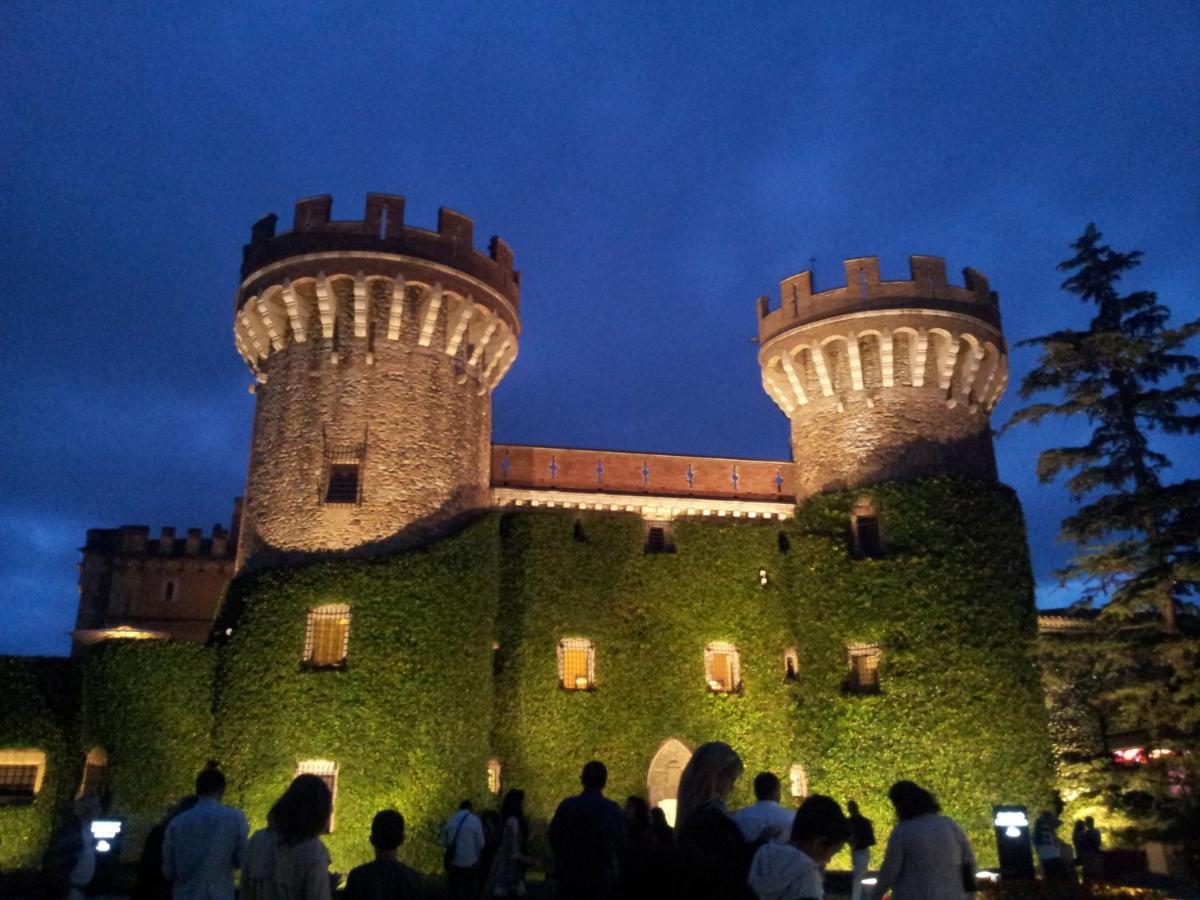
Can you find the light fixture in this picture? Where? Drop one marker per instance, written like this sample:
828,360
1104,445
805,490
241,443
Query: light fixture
762,577
581,681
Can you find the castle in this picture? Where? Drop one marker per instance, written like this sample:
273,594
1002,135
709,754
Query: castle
859,613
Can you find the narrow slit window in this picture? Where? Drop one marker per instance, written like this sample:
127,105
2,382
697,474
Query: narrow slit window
864,662
95,773
798,781
722,668
327,771
576,664
791,664
21,773
327,636
493,776
169,588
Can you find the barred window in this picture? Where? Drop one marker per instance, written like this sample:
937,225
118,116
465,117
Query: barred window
327,636
327,771
798,781
493,776
341,481
21,773
722,667
95,772
864,668
658,536
576,664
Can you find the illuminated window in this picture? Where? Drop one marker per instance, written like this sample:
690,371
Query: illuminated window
493,776
327,771
341,482
658,537
791,664
722,667
21,773
95,773
864,527
864,668
798,781
327,637
576,664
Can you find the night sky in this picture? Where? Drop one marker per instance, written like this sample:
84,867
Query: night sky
655,166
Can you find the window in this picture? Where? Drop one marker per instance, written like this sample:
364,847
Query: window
169,588
722,668
798,781
327,637
21,773
658,537
791,664
341,483
95,773
864,527
327,771
576,664
864,668
493,776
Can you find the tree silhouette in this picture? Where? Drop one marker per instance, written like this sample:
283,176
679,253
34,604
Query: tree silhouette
1128,375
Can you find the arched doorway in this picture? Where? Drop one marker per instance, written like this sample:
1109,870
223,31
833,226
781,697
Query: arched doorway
662,781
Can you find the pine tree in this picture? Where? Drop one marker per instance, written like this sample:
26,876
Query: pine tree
1128,375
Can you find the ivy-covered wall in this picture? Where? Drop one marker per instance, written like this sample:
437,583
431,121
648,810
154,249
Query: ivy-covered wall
406,720
38,711
149,705
424,699
950,603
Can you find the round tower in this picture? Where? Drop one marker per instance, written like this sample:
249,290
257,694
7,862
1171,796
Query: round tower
885,380
375,348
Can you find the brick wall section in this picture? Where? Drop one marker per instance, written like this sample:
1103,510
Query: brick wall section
124,574
557,468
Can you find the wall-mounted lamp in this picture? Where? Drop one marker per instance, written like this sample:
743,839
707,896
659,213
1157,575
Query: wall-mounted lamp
762,577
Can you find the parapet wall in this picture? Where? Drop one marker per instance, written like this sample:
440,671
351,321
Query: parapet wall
381,230
135,541
864,291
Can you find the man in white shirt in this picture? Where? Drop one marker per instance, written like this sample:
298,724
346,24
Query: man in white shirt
204,845
766,814
462,836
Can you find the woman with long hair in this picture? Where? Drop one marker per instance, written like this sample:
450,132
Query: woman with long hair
512,860
928,856
286,860
714,853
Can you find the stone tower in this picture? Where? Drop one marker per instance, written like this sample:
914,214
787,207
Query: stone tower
885,380
375,348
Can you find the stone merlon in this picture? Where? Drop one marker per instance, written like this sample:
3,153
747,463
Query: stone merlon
381,230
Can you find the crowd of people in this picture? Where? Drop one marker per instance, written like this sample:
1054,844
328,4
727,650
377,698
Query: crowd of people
600,850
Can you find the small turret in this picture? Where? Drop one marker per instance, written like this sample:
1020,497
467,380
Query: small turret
885,380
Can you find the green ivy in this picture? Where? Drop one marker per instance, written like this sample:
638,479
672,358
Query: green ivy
149,705
38,712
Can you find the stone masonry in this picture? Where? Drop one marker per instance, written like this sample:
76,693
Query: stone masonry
374,345
885,380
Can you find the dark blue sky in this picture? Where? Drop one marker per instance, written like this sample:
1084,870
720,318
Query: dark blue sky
656,167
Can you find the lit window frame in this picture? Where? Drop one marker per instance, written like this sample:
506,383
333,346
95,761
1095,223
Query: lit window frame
797,781
868,652
791,664
95,772
327,771
711,650
589,647
24,758
495,773
312,620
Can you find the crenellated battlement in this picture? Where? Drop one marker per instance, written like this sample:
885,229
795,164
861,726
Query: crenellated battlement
381,230
865,291
135,541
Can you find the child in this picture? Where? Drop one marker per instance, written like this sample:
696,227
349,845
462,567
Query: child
387,878
793,871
